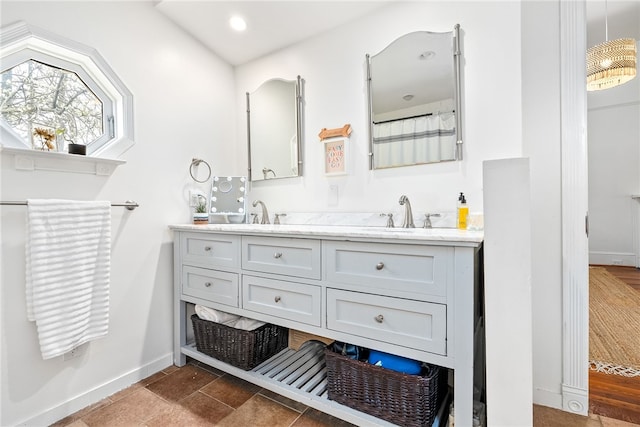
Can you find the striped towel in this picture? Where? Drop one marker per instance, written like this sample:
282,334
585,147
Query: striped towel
68,250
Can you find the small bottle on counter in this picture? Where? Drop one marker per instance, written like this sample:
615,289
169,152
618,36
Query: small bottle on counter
463,212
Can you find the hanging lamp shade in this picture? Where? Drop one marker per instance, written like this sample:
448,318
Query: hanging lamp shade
611,63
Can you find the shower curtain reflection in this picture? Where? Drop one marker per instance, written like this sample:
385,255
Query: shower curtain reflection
417,140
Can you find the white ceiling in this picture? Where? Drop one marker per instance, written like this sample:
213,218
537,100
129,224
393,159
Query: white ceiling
271,25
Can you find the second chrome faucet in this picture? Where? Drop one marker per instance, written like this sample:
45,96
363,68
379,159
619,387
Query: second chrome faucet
408,214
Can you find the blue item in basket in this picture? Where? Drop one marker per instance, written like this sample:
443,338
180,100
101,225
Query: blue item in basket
395,363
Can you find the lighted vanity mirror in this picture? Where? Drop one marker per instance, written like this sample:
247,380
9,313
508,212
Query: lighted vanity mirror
228,199
274,129
415,100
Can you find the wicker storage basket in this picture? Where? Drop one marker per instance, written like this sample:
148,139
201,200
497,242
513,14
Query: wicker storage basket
237,347
405,400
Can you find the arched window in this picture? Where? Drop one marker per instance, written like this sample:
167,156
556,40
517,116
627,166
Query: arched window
54,91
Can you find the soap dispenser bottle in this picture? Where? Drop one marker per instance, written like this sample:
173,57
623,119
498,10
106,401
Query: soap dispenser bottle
463,212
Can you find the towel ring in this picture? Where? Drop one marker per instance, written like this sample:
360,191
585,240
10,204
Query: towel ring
196,162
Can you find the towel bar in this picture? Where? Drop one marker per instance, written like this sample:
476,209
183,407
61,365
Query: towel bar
129,204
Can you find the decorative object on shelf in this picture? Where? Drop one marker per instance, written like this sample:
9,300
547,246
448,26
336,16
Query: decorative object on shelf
47,138
611,63
80,149
195,163
200,215
344,131
335,156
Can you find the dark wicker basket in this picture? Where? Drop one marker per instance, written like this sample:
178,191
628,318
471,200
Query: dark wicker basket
237,347
402,399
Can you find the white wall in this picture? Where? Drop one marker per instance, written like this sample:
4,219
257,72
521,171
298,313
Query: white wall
541,138
614,176
181,97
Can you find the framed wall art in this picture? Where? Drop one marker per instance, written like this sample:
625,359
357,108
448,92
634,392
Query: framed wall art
336,155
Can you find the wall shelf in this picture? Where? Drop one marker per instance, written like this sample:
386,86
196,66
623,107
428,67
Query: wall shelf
32,160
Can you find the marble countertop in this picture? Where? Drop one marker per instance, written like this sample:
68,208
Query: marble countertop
439,235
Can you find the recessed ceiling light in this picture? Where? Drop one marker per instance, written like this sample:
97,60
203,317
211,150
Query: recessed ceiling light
238,23
408,97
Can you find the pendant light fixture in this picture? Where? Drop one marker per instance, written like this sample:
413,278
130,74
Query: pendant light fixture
611,63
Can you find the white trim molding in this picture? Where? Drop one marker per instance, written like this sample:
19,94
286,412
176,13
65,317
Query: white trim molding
20,41
81,401
34,160
575,246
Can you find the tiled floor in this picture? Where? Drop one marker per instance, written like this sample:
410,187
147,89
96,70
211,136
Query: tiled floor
197,395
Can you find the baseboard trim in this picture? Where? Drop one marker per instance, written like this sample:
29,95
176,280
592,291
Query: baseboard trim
74,404
547,398
612,258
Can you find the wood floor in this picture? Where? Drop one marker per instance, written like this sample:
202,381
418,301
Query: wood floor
615,396
629,275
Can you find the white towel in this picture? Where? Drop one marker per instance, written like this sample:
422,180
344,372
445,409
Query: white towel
206,313
68,250
229,319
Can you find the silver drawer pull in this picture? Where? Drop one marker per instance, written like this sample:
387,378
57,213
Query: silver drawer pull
207,284
207,248
277,299
379,318
380,266
277,255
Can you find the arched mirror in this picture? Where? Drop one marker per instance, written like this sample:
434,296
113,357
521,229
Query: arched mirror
274,129
415,101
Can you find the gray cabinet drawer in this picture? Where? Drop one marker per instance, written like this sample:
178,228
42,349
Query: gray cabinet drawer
212,285
294,301
414,324
291,257
407,268
211,250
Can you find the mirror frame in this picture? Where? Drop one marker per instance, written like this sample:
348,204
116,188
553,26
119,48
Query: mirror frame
299,131
457,76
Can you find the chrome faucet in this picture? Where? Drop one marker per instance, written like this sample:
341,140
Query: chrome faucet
276,220
408,214
266,170
265,214
389,219
427,219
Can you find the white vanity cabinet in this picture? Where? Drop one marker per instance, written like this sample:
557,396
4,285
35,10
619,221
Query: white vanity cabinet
413,293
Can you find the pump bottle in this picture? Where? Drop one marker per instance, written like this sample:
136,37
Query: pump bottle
463,212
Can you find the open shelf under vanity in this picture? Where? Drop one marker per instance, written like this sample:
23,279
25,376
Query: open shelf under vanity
301,375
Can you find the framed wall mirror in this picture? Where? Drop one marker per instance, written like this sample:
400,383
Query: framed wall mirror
414,95
274,129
